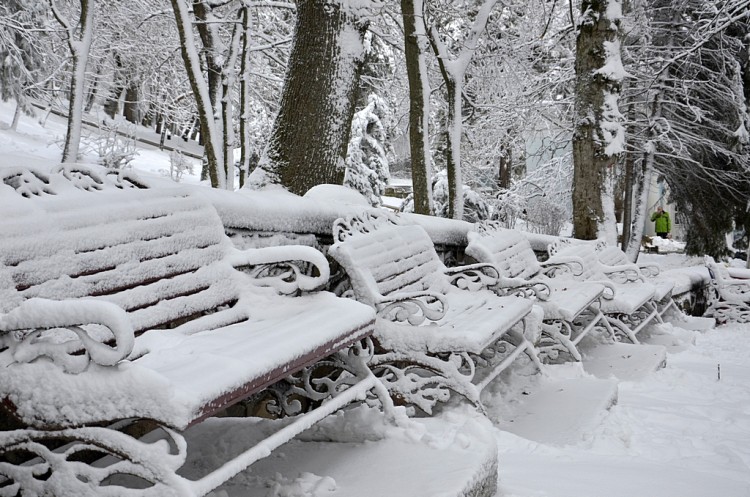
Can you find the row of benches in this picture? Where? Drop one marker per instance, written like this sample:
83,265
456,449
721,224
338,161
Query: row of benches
130,309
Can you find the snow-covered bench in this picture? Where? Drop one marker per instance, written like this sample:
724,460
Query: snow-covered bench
571,308
631,306
128,305
729,299
437,330
610,255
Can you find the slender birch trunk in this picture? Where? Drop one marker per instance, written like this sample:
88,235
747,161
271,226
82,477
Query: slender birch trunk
16,116
210,133
453,69
79,47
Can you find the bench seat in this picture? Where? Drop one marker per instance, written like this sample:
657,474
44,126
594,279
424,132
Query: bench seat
568,298
178,379
470,324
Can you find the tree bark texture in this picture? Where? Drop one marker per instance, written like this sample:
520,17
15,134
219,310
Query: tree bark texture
245,145
592,164
412,12
454,89
308,142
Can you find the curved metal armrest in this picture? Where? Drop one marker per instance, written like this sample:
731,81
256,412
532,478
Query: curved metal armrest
558,265
739,273
609,289
287,268
473,277
523,288
734,291
22,339
649,270
412,307
623,273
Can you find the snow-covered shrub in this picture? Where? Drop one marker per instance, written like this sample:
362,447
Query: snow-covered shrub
476,207
179,165
113,143
544,216
508,206
366,161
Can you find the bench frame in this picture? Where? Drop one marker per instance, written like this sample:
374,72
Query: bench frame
323,382
729,297
614,256
423,379
558,335
625,325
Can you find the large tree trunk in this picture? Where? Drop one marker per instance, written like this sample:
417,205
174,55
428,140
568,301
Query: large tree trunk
130,109
308,143
597,139
745,63
412,12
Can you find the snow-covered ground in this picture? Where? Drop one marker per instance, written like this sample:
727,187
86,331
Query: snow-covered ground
680,431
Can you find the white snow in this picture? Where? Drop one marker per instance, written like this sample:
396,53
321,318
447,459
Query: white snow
681,431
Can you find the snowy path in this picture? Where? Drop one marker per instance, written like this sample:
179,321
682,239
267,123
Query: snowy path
676,432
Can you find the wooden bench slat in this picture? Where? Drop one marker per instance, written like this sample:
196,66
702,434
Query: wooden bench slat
40,243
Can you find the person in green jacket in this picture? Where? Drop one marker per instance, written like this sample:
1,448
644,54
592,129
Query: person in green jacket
662,225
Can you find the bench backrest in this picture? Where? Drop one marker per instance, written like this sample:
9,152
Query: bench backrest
592,267
148,251
508,250
386,257
612,256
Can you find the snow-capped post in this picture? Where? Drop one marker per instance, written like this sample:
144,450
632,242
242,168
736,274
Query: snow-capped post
78,37
453,69
307,146
598,137
415,35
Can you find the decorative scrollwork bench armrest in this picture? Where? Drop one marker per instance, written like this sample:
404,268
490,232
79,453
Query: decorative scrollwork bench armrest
624,273
558,265
523,288
412,307
474,277
283,268
22,338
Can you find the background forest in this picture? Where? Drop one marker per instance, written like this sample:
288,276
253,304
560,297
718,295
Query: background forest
544,110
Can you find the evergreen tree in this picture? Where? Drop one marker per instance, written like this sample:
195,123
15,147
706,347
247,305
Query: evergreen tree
366,161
